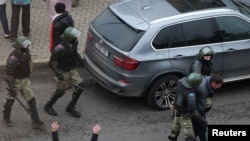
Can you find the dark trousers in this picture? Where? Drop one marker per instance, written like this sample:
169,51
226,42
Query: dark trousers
15,19
3,19
200,130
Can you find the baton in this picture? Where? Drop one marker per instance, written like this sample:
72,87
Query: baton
75,85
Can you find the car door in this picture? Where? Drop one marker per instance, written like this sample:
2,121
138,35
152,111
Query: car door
235,32
189,38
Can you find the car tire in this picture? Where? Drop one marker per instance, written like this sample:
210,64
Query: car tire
162,92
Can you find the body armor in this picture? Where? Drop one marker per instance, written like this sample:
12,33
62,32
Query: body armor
19,64
185,99
65,56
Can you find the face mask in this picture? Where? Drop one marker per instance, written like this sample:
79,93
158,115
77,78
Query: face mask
73,41
23,49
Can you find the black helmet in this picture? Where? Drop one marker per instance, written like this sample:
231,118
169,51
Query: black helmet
194,79
70,34
22,42
205,51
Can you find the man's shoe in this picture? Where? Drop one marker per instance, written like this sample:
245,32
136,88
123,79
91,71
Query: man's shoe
73,112
49,109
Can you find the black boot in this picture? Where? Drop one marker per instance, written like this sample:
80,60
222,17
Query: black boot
173,136
36,122
54,97
7,110
71,106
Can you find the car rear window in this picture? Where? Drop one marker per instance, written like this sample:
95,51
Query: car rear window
192,5
116,31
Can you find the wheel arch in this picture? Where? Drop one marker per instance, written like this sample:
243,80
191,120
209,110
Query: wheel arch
160,75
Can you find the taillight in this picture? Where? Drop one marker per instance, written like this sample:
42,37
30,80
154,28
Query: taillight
126,63
89,37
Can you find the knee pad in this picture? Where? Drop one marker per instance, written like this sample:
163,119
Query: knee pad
78,90
59,93
81,84
9,102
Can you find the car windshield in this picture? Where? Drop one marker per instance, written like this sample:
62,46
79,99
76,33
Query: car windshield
243,6
191,5
116,32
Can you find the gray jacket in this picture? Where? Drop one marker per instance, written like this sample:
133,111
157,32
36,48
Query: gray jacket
202,92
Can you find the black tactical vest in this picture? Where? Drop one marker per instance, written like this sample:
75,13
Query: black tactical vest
23,65
69,58
183,89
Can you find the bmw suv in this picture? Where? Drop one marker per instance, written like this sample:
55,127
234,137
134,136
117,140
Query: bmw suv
140,48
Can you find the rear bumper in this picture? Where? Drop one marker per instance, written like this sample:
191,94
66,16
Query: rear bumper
107,82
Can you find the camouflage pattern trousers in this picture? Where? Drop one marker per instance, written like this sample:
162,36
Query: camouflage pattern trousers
71,75
181,121
24,87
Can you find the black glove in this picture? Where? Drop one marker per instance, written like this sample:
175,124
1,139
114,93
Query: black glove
207,109
60,76
197,118
82,63
12,90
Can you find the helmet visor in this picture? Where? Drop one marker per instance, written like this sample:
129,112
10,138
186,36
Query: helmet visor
76,33
26,43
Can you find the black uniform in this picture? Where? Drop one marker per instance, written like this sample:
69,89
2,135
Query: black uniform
202,66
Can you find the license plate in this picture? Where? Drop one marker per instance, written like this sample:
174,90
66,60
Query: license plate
102,49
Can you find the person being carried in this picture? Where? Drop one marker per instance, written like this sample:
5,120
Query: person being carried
54,131
207,87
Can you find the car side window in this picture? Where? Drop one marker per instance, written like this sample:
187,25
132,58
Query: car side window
163,38
233,28
198,32
186,34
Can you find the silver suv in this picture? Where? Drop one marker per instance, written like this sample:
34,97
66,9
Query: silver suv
140,48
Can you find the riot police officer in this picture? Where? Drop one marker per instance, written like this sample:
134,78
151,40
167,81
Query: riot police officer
18,70
64,61
203,64
185,107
